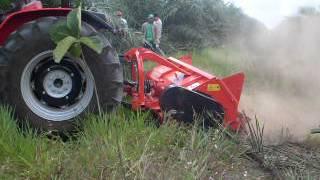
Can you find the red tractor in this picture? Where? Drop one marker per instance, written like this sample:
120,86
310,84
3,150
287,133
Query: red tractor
50,96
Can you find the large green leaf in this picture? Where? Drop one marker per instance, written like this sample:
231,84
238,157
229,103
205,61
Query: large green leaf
93,42
76,49
74,21
62,48
60,31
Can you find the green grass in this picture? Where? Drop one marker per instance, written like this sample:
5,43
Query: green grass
119,146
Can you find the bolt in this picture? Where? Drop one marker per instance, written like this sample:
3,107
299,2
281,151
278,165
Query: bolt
67,97
43,92
48,69
71,74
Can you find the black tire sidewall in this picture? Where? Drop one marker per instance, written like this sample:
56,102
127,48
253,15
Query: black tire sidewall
41,42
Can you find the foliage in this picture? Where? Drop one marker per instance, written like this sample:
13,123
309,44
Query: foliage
187,23
120,146
67,36
5,4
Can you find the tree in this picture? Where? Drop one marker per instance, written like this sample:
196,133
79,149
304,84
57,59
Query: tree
187,23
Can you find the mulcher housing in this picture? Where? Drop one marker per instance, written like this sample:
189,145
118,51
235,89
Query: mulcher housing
175,86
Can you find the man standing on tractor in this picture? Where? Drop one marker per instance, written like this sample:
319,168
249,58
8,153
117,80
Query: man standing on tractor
158,29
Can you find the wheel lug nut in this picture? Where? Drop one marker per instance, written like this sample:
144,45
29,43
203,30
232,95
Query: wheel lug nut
43,92
67,97
48,69
71,74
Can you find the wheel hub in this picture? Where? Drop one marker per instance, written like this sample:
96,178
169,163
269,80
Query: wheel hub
57,84
56,91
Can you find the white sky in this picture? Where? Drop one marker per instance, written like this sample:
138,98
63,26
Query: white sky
271,12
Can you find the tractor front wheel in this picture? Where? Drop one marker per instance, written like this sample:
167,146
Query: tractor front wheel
48,95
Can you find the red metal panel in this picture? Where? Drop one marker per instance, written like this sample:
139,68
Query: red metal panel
227,92
17,19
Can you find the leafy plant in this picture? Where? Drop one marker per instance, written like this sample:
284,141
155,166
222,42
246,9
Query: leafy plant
67,36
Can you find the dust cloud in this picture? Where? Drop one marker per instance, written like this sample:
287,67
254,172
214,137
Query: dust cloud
284,78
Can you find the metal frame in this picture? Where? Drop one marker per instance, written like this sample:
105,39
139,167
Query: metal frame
226,91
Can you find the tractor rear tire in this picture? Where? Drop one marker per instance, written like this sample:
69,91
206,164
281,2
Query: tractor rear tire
49,96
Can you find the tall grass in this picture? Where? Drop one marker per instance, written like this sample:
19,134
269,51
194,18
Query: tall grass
25,153
119,146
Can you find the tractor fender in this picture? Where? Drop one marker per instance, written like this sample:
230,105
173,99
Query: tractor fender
17,19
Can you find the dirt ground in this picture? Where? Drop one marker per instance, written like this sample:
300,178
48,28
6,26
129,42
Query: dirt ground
287,161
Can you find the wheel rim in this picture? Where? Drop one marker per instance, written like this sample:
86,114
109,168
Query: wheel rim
56,92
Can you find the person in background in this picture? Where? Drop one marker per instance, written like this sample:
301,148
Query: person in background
150,40
121,23
158,29
148,31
